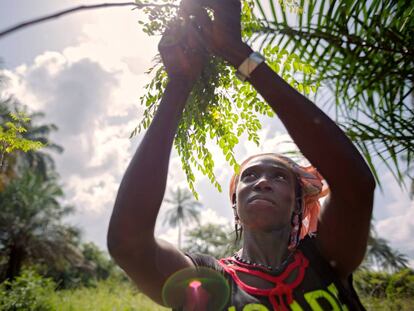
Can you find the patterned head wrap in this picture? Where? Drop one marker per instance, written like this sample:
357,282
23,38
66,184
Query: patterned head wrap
313,188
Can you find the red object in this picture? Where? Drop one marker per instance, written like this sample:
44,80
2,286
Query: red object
280,290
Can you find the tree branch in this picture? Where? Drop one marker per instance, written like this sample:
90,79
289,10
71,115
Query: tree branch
78,8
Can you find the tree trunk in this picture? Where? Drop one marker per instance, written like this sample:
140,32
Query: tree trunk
15,261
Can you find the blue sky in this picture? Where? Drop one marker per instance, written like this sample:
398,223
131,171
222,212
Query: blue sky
86,71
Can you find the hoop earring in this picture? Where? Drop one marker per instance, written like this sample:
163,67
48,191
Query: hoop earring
237,227
296,223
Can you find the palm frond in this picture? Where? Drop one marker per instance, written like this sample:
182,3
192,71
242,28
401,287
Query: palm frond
364,53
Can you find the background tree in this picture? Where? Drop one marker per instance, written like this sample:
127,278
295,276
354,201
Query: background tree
184,210
364,52
94,266
380,256
212,239
38,160
31,228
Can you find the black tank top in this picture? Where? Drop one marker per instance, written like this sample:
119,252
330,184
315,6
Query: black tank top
306,282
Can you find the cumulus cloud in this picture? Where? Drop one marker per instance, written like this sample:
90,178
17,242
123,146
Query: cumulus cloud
91,92
397,222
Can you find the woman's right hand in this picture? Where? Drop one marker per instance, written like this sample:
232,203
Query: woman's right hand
182,51
221,35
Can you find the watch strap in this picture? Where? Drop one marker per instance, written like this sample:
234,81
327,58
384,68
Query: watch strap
249,65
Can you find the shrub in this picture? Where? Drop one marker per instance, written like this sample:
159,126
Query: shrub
401,284
29,291
371,283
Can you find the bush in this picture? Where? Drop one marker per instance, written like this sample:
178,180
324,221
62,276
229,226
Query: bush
29,291
371,283
401,285
374,284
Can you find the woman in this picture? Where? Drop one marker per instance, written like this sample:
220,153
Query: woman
291,270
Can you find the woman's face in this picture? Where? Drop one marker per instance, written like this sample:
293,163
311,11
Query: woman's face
265,194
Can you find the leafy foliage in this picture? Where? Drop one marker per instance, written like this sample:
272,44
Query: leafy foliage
364,53
385,285
211,239
35,159
220,108
29,291
94,266
11,136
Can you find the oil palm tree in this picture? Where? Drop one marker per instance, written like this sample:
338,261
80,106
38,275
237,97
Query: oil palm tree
364,52
184,210
380,255
31,229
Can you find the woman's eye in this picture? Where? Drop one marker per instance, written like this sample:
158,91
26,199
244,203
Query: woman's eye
280,177
249,175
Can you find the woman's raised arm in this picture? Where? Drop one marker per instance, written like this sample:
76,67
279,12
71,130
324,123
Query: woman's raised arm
344,220
131,240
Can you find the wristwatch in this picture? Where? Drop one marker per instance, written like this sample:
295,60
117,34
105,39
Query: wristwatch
249,65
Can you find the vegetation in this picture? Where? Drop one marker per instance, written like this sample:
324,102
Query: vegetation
220,108
28,291
363,51
216,240
378,291
10,138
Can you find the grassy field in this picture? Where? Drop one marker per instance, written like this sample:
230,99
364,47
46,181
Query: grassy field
118,296
107,296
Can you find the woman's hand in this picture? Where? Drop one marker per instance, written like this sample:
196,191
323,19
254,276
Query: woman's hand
222,36
182,52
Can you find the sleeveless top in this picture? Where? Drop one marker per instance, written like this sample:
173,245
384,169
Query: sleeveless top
306,281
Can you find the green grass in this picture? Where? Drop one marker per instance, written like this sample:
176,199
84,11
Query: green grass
113,295
381,304
106,296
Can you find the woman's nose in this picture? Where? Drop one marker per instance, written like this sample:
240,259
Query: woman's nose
263,184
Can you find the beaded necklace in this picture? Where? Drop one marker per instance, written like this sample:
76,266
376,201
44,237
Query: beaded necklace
259,266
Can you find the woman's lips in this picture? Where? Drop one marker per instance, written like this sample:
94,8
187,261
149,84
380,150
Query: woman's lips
261,200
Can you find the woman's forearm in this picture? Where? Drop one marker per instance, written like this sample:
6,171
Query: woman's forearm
317,136
143,186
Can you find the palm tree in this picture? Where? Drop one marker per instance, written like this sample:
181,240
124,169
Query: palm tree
364,52
31,229
184,210
380,255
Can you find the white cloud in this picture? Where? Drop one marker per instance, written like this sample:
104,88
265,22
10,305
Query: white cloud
399,228
91,92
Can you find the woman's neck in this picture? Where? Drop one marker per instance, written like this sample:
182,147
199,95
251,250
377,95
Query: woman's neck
268,248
